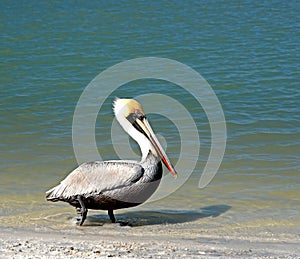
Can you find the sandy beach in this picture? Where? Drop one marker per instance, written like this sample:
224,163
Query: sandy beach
179,240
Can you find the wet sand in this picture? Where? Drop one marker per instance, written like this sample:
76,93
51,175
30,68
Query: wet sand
101,239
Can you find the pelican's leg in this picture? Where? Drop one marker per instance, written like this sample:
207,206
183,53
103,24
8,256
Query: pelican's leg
111,216
81,212
79,215
113,219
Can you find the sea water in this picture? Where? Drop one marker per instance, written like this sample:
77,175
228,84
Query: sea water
247,51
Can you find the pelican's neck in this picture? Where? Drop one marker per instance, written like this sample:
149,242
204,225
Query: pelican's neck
143,142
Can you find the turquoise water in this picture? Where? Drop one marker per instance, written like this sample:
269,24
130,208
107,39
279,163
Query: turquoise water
248,52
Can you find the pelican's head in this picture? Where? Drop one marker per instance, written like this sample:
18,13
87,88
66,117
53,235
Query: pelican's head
132,118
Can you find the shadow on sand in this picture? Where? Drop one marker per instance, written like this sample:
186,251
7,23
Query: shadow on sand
144,218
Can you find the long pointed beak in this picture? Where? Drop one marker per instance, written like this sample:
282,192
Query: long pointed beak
144,124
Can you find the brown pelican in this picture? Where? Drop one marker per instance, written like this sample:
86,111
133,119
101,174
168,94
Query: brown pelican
117,184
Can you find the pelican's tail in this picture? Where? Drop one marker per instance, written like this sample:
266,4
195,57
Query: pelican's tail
55,194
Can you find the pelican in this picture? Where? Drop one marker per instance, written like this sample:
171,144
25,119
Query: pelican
117,184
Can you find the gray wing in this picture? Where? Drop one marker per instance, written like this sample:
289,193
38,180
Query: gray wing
97,177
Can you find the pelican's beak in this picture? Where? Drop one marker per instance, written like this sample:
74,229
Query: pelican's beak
144,124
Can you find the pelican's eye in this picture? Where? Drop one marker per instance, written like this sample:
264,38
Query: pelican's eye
133,117
142,117
137,114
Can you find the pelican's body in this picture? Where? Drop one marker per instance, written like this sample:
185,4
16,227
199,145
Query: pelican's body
117,184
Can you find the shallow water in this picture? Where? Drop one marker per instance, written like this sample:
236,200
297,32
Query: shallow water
248,52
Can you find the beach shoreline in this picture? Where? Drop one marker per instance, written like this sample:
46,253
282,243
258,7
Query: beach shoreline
112,240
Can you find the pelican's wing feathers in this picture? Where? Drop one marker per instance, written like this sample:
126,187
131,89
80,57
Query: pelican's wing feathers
97,177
